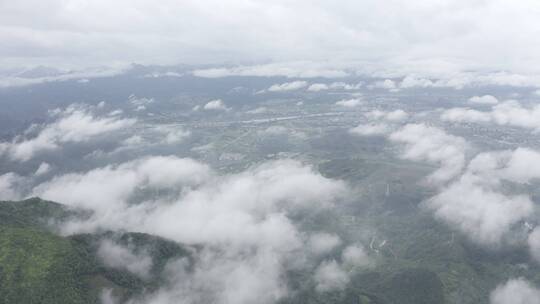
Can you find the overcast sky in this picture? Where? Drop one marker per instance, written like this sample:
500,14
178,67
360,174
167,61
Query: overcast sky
436,35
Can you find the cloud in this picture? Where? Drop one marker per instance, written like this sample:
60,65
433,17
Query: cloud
425,143
294,69
411,81
355,256
123,257
317,87
18,80
534,244
240,220
348,33
215,105
387,84
475,204
173,134
345,86
259,110
330,276
140,104
288,86
274,130
10,186
42,169
323,243
349,103
74,125
370,130
219,278
465,115
134,140
106,297
515,291
508,113
393,116
396,115
87,191
485,99
470,199
484,215
115,112
278,130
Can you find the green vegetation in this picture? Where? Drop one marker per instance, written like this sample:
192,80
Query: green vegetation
38,266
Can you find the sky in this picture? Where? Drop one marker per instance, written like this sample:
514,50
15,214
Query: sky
438,36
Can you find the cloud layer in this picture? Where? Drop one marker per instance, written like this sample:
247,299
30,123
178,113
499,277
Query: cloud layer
73,125
241,220
423,34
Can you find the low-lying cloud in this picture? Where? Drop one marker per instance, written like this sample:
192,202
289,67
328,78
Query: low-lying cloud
508,113
241,219
75,124
431,144
515,291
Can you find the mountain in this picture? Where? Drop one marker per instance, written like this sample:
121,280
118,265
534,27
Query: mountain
39,266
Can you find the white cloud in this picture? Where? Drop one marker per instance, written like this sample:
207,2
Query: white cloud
330,276
411,81
81,75
116,112
241,219
508,113
106,297
10,186
323,243
355,256
471,200
485,99
259,110
215,105
370,129
483,214
394,116
387,84
425,143
288,86
534,244
142,101
349,103
465,115
87,190
274,130
348,33
134,140
75,124
42,169
173,134
123,257
296,69
345,86
475,203
316,87
515,291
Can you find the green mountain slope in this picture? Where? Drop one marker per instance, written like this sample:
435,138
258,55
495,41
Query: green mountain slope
38,266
